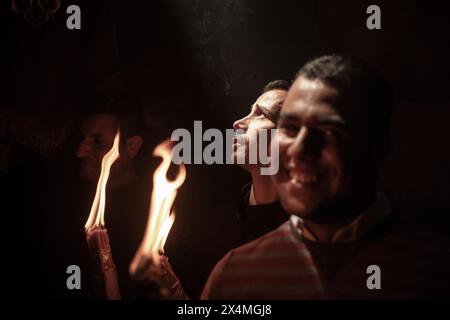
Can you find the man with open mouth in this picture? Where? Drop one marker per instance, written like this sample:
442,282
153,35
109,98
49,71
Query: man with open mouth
259,208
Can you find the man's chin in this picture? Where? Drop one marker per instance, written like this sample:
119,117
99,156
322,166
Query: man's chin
296,209
318,210
300,207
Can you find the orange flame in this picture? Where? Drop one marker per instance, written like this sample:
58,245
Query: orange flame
160,220
97,215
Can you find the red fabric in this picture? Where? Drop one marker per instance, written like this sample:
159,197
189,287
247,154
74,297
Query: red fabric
275,266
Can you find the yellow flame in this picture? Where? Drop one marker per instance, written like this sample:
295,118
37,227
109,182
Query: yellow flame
160,220
97,215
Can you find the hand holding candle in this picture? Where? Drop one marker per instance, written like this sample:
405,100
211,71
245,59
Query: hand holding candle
155,280
149,263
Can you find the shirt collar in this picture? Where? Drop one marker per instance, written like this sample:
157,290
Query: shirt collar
378,211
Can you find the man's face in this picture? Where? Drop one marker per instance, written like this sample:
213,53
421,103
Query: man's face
324,158
98,132
263,115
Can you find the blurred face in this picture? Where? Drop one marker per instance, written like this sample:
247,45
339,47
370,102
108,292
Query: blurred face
324,158
263,115
98,132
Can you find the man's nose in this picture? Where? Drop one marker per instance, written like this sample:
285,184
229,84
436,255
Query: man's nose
84,149
301,148
240,124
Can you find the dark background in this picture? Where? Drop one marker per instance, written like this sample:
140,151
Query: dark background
199,60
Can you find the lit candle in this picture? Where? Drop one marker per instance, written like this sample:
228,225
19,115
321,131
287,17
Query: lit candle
106,285
150,267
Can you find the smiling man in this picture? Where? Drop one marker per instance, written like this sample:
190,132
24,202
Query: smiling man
342,241
333,139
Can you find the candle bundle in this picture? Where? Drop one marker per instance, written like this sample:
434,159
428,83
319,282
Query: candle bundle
104,270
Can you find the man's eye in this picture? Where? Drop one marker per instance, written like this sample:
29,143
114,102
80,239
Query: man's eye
100,143
258,113
289,129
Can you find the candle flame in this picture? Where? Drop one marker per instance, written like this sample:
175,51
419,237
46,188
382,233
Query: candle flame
160,219
97,215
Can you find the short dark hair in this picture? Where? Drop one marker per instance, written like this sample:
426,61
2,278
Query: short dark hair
123,108
352,75
276,85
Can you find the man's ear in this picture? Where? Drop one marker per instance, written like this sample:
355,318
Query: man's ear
133,145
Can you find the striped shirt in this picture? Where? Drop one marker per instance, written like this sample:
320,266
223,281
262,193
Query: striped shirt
274,266
288,263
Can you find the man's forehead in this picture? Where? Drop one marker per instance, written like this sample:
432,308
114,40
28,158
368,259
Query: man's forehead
312,91
269,98
317,114
315,98
100,124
